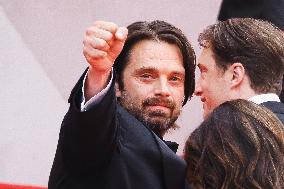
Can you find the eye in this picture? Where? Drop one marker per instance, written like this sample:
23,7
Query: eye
175,78
146,76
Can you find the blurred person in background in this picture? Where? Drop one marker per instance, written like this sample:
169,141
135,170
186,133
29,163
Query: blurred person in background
239,145
241,58
269,10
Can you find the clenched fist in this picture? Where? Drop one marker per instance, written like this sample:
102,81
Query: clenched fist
102,44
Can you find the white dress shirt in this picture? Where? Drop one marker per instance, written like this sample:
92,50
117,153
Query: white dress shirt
95,99
258,99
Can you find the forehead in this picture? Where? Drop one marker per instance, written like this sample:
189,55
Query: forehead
155,54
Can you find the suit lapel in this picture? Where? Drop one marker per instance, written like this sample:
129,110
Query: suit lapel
174,167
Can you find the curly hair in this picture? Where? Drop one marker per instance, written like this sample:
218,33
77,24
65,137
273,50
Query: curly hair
240,145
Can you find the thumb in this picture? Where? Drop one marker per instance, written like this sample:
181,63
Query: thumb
121,33
116,48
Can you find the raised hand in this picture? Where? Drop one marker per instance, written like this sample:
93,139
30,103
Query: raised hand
102,44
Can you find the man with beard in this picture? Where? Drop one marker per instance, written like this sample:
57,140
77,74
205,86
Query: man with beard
120,109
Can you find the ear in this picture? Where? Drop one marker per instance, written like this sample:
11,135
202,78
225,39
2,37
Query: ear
117,90
238,74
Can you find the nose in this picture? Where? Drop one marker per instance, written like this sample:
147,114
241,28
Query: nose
162,88
197,90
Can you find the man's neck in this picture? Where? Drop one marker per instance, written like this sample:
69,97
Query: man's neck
243,94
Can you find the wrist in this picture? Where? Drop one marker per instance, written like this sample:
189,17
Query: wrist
96,81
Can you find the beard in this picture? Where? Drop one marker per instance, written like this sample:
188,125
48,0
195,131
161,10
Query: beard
159,121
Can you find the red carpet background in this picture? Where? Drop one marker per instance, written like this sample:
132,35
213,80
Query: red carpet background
14,186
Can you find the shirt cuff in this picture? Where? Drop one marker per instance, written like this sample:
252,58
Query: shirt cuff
95,99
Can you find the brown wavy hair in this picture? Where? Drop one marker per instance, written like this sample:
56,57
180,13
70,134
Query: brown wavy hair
240,145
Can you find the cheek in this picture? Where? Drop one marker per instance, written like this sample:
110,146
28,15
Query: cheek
178,95
213,95
205,89
216,97
137,93
142,91
203,84
136,88
212,86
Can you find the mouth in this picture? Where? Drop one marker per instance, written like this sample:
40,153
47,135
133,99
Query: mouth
203,100
160,107
159,104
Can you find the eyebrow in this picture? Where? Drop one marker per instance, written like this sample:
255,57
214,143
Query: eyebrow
178,73
146,69
153,69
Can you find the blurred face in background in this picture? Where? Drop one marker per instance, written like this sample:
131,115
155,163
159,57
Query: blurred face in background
213,84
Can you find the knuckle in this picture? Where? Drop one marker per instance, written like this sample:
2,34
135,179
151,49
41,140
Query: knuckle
85,49
103,43
85,40
108,36
113,25
98,23
97,43
89,31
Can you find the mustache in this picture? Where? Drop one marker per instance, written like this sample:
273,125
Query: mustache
159,102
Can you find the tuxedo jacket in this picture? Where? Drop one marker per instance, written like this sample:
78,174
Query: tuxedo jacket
107,148
277,108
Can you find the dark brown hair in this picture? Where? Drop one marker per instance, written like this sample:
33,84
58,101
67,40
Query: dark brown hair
240,145
159,31
257,44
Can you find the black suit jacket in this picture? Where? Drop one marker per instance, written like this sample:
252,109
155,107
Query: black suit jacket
106,147
270,10
277,108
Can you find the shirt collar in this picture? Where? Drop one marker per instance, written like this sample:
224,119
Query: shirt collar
258,99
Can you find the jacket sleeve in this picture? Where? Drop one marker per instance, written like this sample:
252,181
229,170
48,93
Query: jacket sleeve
87,139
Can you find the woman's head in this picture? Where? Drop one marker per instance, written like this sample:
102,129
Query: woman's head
240,145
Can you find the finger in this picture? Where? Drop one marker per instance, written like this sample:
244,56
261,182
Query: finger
109,26
93,53
99,33
121,33
118,44
96,43
115,49
102,64
92,61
